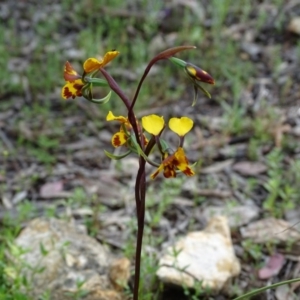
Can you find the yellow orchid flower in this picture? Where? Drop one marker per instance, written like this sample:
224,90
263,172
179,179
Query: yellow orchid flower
119,138
172,162
93,64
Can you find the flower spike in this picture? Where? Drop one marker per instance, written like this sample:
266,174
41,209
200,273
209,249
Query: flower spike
175,161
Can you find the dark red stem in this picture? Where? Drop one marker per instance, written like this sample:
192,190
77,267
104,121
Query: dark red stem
140,200
115,87
162,55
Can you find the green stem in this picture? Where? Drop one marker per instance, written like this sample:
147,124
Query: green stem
260,290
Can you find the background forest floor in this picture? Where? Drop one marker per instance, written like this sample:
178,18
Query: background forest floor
245,139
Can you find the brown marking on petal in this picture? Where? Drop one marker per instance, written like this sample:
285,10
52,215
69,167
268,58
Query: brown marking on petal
159,169
176,162
69,73
199,74
169,172
67,93
68,68
153,176
78,88
168,160
71,77
188,171
116,141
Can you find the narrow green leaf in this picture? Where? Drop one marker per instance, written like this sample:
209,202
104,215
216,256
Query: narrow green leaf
260,290
141,152
116,157
96,81
195,95
137,147
102,100
203,90
164,145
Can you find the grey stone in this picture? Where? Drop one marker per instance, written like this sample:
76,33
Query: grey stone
57,257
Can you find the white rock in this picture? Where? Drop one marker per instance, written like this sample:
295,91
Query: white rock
206,256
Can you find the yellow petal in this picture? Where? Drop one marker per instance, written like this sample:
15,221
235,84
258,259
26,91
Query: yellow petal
153,124
182,162
111,117
65,92
119,139
186,170
72,89
91,64
159,169
109,56
181,126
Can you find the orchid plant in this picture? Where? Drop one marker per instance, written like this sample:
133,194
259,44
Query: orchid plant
139,137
